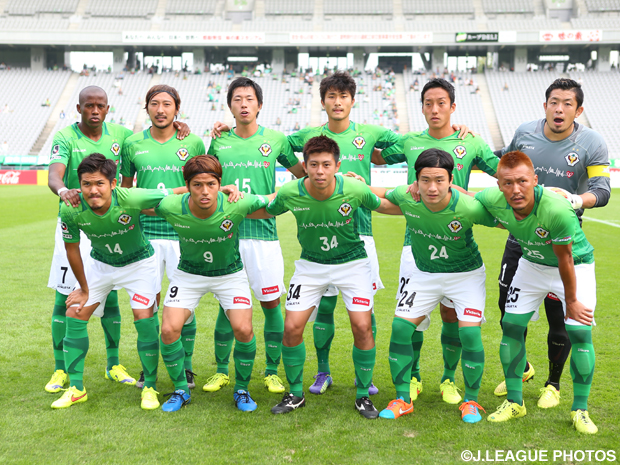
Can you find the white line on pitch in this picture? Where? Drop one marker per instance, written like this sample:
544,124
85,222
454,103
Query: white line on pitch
602,221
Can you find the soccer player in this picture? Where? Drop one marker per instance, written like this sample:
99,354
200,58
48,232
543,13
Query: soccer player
157,158
556,258
324,206
447,265
208,226
121,257
248,154
438,104
572,157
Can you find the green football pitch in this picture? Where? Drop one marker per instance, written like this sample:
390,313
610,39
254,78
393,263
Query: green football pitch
111,428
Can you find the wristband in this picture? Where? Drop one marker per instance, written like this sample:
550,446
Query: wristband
61,190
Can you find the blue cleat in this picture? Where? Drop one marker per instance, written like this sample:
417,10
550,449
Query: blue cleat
469,411
178,399
244,401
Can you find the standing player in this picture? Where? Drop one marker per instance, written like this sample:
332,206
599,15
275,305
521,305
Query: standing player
324,206
556,258
248,154
572,157
121,257
157,157
438,104
207,226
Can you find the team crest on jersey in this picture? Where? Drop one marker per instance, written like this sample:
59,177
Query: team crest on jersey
265,150
460,151
115,149
182,153
226,225
542,233
359,142
455,226
345,209
124,219
572,159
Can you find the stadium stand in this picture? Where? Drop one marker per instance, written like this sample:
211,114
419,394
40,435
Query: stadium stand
358,26
279,25
32,7
191,7
289,7
359,7
180,23
437,7
113,24
507,6
602,5
533,24
595,22
115,8
441,25
16,23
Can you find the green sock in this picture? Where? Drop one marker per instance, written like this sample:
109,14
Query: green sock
323,331
373,325
512,353
273,332
416,344
451,347
59,329
364,363
76,348
401,356
173,355
472,360
582,361
293,359
111,324
244,355
224,338
188,339
148,349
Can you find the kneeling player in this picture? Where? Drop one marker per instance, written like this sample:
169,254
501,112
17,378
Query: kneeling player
557,258
447,265
210,262
122,257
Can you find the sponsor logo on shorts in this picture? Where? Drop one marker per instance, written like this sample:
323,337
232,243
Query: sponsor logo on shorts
270,290
572,159
455,226
140,299
542,233
241,300
473,312
124,219
265,150
551,295
374,286
115,149
460,151
361,301
226,225
359,142
345,209
182,153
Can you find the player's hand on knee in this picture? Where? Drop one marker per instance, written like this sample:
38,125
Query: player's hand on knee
77,297
579,312
71,197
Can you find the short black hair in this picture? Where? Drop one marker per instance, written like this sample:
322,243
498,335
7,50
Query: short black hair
442,84
321,144
566,84
434,158
339,81
244,82
97,162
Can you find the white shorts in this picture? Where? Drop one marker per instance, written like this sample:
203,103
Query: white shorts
532,283
425,290
61,277
186,290
139,280
167,255
311,280
264,265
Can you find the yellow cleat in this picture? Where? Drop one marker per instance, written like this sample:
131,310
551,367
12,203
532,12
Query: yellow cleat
58,381
119,374
582,422
415,388
549,397
274,384
149,399
449,392
71,396
216,382
507,411
501,389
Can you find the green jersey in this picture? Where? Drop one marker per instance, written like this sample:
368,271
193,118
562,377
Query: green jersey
356,146
552,221
209,247
326,229
158,166
116,236
444,240
250,164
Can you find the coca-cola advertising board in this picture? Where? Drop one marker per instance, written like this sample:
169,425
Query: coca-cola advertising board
18,177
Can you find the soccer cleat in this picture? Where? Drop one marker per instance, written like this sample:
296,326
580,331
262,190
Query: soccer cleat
189,376
274,384
501,389
216,382
149,399
396,408
140,382
449,392
322,382
178,399
582,422
289,403
549,397
372,389
58,381
366,408
415,388
507,411
119,374
469,411
71,396
244,401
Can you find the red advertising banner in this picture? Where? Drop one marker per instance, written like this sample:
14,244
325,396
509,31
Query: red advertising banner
18,177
